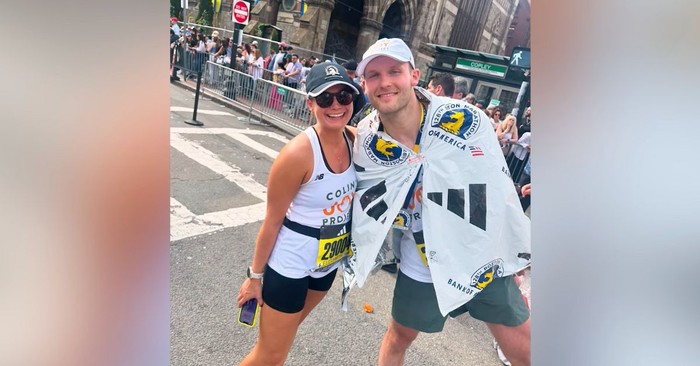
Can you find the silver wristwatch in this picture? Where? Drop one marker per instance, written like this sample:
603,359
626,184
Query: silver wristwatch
253,275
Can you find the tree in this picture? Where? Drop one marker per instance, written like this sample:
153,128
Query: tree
206,13
175,9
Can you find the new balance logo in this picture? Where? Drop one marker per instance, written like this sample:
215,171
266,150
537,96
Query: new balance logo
319,177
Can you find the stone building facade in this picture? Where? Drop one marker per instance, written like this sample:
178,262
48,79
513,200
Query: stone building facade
346,28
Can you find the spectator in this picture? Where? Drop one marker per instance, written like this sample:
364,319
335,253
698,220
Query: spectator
360,101
174,26
279,57
222,51
507,133
351,68
174,41
496,114
305,67
524,182
257,64
288,53
480,104
441,84
524,125
292,73
471,99
461,88
518,156
269,57
212,46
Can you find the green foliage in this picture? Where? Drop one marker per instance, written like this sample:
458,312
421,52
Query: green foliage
206,13
175,9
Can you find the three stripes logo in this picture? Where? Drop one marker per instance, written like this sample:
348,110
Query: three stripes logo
455,203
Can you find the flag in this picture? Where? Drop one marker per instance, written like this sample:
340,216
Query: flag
302,8
476,151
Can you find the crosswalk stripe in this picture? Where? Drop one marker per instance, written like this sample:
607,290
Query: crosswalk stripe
208,159
185,224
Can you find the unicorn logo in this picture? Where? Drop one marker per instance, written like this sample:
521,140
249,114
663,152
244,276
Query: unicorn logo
332,71
485,275
458,122
383,152
385,148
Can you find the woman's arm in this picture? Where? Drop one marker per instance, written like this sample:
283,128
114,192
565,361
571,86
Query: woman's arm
514,136
283,184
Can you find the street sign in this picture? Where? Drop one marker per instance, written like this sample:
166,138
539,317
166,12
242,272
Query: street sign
481,67
241,12
183,4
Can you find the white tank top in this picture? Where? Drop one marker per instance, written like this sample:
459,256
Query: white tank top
326,199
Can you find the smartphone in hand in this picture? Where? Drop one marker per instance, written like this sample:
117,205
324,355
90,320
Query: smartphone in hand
248,313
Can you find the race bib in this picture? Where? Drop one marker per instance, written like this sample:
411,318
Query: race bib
333,245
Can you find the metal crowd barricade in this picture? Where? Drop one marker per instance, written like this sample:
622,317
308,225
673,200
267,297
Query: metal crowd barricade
283,106
516,162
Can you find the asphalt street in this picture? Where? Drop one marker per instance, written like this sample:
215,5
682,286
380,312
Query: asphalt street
218,178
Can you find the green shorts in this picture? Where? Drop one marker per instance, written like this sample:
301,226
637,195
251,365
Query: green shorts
415,304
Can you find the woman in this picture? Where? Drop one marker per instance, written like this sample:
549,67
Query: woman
496,114
200,51
507,133
291,244
257,64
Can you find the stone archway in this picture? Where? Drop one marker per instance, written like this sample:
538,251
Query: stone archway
343,30
393,21
386,18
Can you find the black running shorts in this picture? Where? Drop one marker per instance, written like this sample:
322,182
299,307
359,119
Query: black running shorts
288,295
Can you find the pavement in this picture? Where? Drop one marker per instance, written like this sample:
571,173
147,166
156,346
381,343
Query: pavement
218,177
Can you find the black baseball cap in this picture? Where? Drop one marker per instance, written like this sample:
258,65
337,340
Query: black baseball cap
350,65
324,75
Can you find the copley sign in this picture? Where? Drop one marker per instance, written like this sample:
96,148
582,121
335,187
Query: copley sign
241,12
481,67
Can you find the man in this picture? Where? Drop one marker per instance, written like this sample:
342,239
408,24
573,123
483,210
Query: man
461,88
279,57
292,73
174,45
525,124
360,101
441,84
174,26
431,168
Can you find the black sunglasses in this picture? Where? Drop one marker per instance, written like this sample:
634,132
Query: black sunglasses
325,99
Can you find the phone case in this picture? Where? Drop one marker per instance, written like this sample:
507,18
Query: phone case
255,316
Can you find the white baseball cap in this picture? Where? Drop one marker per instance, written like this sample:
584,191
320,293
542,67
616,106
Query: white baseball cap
389,47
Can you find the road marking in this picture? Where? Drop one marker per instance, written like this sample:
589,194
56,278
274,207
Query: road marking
185,224
210,160
202,111
254,144
218,131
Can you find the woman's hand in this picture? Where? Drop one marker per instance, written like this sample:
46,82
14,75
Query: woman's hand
251,288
